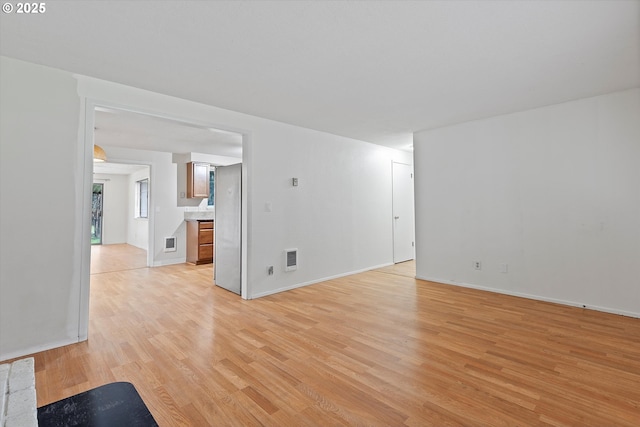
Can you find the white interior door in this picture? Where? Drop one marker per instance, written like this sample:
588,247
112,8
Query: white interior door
228,233
403,235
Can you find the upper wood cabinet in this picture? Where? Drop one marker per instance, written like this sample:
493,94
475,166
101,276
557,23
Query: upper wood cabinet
197,180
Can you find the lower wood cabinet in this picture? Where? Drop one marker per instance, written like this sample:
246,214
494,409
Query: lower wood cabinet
200,248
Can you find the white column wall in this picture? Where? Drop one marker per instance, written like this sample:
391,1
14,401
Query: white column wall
39,250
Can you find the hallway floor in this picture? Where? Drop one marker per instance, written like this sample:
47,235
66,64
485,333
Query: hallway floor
119,257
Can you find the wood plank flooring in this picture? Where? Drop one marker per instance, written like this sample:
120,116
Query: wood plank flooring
117,257
378,348
407,268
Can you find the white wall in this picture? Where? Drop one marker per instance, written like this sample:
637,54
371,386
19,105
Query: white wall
339,217
115,207
39,250
552,192
137,228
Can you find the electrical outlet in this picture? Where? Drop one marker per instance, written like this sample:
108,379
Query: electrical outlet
504,267
270,270
477,265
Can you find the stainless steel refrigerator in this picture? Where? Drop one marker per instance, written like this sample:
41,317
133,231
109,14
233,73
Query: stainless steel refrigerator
228,226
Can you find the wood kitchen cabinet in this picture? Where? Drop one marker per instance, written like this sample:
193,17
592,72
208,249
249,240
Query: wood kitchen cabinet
200,248
197,180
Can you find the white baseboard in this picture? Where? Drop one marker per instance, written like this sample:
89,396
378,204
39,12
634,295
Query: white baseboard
169,262
37,349
313,282
534,297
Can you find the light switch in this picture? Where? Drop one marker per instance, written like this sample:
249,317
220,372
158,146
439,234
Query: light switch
294,181
268,207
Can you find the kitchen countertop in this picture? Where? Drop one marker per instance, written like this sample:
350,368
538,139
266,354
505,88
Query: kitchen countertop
198,216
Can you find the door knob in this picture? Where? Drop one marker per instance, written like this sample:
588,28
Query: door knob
396,217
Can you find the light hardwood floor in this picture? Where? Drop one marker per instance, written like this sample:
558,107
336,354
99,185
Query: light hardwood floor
118,257
376,348
407,268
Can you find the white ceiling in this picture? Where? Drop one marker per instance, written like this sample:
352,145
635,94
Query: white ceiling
375,71
116,128
116,168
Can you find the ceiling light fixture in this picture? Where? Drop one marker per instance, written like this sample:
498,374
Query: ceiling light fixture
98,154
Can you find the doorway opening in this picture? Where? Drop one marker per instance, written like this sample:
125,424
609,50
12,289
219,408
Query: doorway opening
168,145
160,138
403,217
119,217
96,214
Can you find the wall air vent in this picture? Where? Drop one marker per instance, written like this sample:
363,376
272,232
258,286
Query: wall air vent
291,260
169,244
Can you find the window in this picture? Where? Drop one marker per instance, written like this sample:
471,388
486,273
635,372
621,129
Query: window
211,186
142,199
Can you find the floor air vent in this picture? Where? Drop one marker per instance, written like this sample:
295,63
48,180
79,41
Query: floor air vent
291,260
